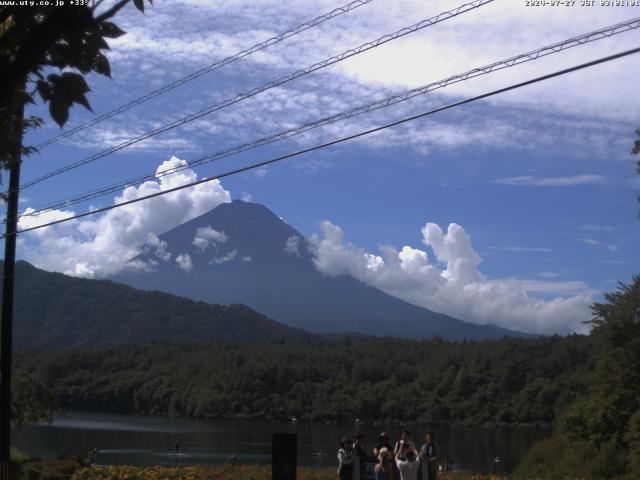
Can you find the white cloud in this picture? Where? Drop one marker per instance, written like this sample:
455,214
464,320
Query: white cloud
246,259
206,236
105,136
100,245
184,262
161,48
609,246
261,172
570,287
453,284
292,247
520,249
529,181
158,247
492,32
229,257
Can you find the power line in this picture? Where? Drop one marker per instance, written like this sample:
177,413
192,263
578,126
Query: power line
340,140
299,73
605,32
203,71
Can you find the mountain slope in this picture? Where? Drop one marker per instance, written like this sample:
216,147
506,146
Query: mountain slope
242,252
54,311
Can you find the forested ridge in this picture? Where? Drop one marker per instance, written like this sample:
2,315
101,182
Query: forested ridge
54,311
508,381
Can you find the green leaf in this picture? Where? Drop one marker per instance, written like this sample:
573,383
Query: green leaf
101,65
97,42
110,30
82,100
59,111
75,83
85,61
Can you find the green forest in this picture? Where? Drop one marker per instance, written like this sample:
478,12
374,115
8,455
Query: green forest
586,387
509,381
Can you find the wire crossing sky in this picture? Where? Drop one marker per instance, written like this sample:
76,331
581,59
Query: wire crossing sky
338,141
519,209
605,32
203,71
283,80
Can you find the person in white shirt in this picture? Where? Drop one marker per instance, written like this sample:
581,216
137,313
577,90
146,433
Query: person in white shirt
345,459
408,462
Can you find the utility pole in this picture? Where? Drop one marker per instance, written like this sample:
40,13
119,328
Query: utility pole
6,331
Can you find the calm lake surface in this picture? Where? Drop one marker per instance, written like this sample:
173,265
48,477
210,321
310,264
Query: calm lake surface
138,440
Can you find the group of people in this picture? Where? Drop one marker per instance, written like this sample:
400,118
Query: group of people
400,462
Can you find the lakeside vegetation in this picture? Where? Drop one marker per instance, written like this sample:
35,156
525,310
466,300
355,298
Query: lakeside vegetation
57,469
240,472
586,387
501,382
598,435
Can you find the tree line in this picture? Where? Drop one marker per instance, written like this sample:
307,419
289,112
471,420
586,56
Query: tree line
499,382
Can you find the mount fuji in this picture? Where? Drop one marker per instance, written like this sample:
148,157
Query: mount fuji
241,252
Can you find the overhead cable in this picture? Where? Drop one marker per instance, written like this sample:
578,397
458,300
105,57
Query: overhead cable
601,33
334,142
203,71
243,96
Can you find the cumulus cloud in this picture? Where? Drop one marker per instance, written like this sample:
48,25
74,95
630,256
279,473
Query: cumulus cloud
157,247
101,245
452,284
206,236
184,262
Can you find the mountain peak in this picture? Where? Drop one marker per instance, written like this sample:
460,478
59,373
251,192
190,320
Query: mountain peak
242,252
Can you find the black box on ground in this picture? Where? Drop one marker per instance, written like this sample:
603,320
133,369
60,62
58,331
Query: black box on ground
284,456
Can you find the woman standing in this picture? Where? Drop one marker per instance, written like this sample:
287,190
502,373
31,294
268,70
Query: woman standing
345,459
383,469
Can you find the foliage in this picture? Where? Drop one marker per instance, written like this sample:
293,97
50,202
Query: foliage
22,468
56,41
508,381
633,438
31,401
602,429
228,472
240,472
44,37
558,458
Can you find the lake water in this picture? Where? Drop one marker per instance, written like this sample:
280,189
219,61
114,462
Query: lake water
139,440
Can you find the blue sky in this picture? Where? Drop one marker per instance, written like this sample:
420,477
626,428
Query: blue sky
539,182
